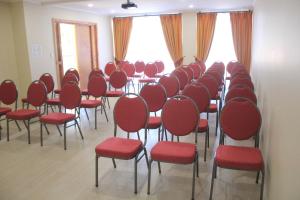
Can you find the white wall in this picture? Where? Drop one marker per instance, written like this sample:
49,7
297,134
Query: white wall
39,32
189,36
276,73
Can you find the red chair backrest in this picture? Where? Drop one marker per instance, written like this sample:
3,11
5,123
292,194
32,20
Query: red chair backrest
244,81
96,72
128,68
231,65
182,77
245,92
171,85
154,95
216,75
241,75
201,64
200,95
8,92
196,70
110,67
240,119
73,71
97,86
118,79
189,72
37,93
180,115
48,81
160,66
211,84
238,68
139,66
70,96
70,77
131,113
150,70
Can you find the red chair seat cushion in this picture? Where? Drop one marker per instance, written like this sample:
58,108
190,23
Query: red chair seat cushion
57,118
22,114
203,125
147,80
121,148
213,108
158,75
116,93
84,92
4,110
236,157
90,103
53,101
137,75
174,152
57,91
154,122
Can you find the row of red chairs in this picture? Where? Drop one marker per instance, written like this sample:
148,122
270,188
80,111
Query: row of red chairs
240,119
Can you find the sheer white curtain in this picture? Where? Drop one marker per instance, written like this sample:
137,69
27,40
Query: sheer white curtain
222,48
147,42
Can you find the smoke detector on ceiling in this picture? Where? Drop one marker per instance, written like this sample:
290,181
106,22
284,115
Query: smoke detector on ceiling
129,5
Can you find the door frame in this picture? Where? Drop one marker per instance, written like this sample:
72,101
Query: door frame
57,44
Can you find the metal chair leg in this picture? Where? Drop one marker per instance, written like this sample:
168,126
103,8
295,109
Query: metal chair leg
205,146
262,184
193,184
257,177
146,157
149,176
41,131
96,118
59,130
87,116
19,128
79,129
28,130
7,129
159,167
114,163
212,180
96,171
105,113
135,174
65,137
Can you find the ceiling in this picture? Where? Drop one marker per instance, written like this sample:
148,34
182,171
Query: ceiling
113,7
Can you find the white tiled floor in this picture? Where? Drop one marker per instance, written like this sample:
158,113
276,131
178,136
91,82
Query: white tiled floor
33,172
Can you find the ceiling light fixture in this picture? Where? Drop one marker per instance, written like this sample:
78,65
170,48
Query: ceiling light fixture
191,6
129,5
90,5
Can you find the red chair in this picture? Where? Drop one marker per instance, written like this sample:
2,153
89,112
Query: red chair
139,68
149,72
36,96
70,98
189,71
182,77
110,67
171,85
196,70
94,72
245,92
243,81
240,120
131,115
73,71
97,89
68,77
8,96
129,69
180,117
155,96
201,64
200,94
212,87
160,68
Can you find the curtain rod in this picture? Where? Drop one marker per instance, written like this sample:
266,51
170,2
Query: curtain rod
201,11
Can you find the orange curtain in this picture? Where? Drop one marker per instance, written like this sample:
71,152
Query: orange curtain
122,29
205,32
172,28
241,24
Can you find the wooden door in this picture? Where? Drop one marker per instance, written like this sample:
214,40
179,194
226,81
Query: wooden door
86,46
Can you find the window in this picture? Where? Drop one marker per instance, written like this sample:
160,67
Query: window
222,48
147,42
